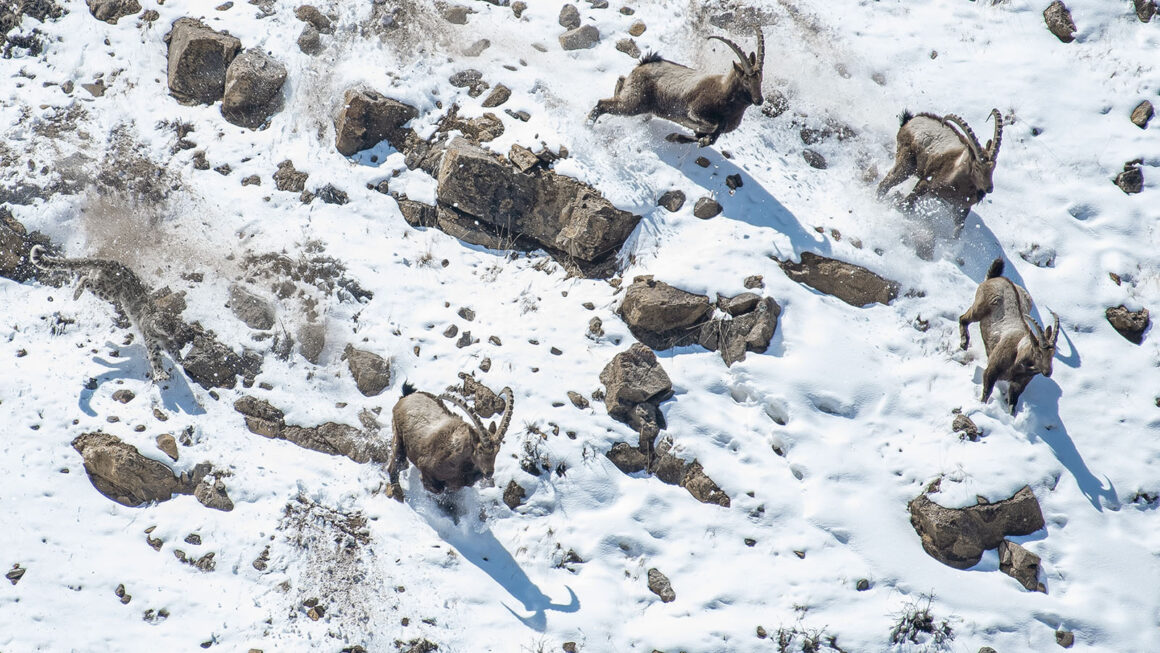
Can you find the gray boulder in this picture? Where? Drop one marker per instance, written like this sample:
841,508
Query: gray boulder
256,312
850,283
368,118
329,438
1059,22
122,474
253,88
1130,324
958,537
746,332
659,584
581,38
1020,564
371,372
198,60
634,377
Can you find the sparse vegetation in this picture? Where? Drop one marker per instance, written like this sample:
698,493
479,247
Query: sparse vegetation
916,624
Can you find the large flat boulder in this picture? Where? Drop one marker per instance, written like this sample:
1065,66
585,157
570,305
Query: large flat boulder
561,214
122,474
662,316
850,283
958,537
198,59
330,438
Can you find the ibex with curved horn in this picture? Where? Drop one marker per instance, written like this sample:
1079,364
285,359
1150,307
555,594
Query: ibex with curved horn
1017,347
708,104
449,452
949,163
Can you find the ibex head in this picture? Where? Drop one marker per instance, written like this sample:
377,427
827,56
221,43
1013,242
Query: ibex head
1038,351
983,159
749,68
487,440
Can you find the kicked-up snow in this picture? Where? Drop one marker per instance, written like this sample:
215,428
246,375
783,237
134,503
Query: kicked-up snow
820,442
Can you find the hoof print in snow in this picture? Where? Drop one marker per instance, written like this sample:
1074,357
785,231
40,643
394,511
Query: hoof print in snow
1059,22
850,283
659,584
367,118
958,537
198,60
1130,324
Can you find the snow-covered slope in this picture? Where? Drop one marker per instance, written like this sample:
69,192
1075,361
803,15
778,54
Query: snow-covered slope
858,401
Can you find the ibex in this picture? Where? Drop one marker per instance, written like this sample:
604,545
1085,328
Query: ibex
708,104
949,163
1017,348
449,452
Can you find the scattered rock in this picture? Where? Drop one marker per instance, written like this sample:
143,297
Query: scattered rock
637,28
754,281
213,495
198,60
659,584
1145,10
1142,114
706,208
733,182
311,341
252,180
498,96
814,159
211,364
1065,638
368,118
256,312
253,88
965,428
122,474
634,377
581,38
751,328
477,48
776,103
15,574
862,585
627,458
523,158
660,315
309,41
578,400
672,200
1020,564
629,47
958,537
315,18
702,487
1059,21
1131,180
289,179
569,17
328,438
168,445
1130,324
514,495
456,14
123,396
850,283
111,11
519,7
371,372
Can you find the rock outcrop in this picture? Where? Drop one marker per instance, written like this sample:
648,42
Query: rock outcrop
850,283
958,537
367,118
123,474
371,372
329,438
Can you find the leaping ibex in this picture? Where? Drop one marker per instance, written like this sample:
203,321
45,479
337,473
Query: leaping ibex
449,452
707,103
949,163
1017,347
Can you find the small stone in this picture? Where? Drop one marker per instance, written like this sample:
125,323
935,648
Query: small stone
193,538
627,11
513,495
521,115
485,365
755,281
814,159
167,444
629,47
518,8
1131,180
569,17
706,208
465,340
1059,22
862,585
466,313
581,38
1142,114
1130,324
733,182
456,14
555,351
570,647
703,162
498,96
578,400
288,179
761,634
637,28
1065,638
15,574
315,18
309,41
672,200
252,180
965,428
451,331
659,584
332,195
123,396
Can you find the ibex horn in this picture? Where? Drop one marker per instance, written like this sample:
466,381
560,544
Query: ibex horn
1034,329
483,434
740,53
969,136
994,152
760,48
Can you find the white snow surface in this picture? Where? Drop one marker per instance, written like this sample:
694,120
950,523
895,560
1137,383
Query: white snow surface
858,400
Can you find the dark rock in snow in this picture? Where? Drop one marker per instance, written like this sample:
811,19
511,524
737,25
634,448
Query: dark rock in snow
634,377
850,283
581,38
707,207
958,537
1130,324
660,315
198,60
371,372
111,11
659,584
368,118
1059,22
672,200
256,312
288,179
1142,114
1131,179
569,17
1020,564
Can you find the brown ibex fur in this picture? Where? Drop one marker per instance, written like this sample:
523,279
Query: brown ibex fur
708,104
449,452
949,163
1017,348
